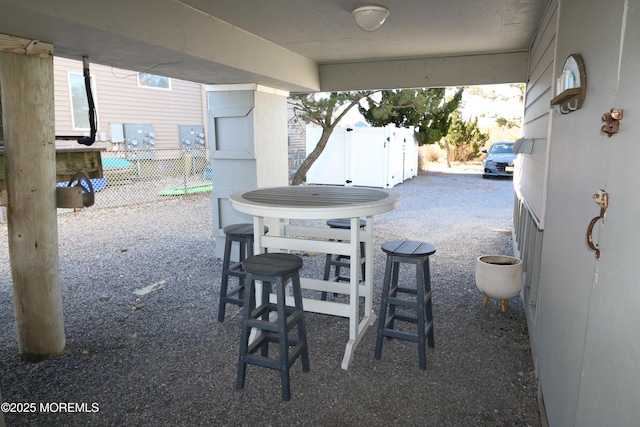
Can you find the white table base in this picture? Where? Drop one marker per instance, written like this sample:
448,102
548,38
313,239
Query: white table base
297,238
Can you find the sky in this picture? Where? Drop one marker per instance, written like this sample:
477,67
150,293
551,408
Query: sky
485,109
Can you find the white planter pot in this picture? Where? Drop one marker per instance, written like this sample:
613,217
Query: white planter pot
499,277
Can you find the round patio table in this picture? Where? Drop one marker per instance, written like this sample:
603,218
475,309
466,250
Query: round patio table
323,202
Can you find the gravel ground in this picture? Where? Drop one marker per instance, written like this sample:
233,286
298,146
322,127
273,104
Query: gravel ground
162,359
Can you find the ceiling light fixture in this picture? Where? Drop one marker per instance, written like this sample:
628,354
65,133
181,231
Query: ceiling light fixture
370,18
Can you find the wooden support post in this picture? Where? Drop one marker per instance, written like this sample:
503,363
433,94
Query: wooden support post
26,79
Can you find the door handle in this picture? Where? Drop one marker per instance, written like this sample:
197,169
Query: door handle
601,198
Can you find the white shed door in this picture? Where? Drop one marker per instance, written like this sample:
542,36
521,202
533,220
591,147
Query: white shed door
367,157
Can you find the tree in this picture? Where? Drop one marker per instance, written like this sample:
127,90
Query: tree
324,110
428,110
400,107
466,137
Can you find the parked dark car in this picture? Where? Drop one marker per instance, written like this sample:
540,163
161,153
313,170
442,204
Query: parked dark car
499,160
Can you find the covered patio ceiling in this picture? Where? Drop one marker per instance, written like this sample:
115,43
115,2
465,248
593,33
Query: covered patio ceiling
295,45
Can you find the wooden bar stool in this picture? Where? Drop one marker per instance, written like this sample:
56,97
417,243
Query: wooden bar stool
409,252
242,234
341,261
274,270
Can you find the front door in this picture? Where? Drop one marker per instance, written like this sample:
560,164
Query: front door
610,383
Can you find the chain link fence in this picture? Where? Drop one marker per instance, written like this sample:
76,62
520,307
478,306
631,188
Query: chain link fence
133,177
141,176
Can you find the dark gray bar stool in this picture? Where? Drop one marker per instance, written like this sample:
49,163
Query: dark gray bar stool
242,234
274,270
341,261
409,252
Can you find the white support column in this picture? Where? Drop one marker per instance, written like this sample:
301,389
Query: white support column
249,147
26,79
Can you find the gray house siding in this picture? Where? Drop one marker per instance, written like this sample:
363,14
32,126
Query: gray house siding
119,99
584,318
297,139
530,181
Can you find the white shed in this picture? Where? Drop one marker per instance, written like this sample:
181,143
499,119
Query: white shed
364,156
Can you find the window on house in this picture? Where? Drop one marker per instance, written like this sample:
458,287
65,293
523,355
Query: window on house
79,102
154,81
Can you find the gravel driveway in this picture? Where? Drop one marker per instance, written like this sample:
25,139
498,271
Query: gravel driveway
162,359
